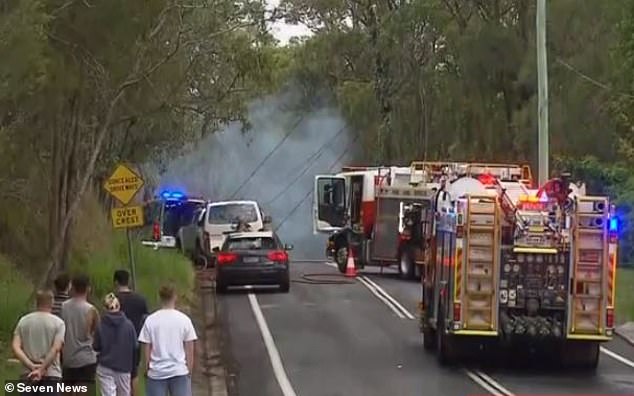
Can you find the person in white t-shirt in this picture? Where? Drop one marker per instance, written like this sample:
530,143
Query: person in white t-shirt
168,337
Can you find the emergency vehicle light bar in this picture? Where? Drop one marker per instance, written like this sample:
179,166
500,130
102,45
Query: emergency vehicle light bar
172,195
614,224
533,198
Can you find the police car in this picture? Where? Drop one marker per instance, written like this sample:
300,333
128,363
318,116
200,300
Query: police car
166,215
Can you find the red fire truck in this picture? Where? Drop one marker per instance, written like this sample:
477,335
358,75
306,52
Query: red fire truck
384,215
511,265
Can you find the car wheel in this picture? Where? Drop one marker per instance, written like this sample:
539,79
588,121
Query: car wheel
406,266
342,259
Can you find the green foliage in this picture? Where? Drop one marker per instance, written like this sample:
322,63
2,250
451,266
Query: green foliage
144,78
462,75
624,295
153,269
14,292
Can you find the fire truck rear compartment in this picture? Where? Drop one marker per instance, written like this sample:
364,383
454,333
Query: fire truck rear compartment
533,293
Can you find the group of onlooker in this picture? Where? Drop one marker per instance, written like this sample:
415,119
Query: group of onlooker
66,340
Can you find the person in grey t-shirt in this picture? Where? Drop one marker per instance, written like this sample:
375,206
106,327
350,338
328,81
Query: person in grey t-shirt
81,319
38,340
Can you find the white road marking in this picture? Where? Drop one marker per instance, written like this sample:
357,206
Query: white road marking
480,378
489,388
618,357
380,297
493,383
274,355
390,298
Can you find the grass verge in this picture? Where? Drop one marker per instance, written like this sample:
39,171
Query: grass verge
624,295
153,268
14,292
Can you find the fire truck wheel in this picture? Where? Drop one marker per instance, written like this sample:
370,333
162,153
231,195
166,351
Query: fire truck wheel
581,355
342,259
406,265
445,344
429,338
418,272
445,349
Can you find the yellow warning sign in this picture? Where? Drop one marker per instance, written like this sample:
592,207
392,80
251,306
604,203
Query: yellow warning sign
127,217
123,184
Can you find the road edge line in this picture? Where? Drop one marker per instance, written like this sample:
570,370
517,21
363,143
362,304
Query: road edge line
274,355
618,357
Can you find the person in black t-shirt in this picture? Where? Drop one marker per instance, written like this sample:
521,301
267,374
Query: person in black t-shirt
135,308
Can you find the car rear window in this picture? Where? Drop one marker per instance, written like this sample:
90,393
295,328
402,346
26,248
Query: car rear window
258,243
231,213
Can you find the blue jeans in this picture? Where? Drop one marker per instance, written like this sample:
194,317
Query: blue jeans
177,386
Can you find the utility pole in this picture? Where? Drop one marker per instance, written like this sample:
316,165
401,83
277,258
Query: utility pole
542,102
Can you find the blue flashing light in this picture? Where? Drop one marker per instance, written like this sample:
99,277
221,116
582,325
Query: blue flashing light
172,195
614,224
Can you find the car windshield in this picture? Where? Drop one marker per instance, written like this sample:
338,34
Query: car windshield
257,243
231,213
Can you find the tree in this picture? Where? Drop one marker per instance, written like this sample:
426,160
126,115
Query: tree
121,80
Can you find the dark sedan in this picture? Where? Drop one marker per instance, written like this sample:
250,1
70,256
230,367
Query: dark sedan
252,258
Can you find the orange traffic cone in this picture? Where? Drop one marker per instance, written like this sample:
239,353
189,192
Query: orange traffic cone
351,271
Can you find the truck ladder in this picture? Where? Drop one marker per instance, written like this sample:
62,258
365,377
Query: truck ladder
510,194
589,267
482,238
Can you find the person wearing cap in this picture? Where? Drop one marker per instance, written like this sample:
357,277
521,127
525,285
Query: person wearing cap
115,343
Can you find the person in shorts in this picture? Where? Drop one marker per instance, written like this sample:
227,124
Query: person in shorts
81,319
135,308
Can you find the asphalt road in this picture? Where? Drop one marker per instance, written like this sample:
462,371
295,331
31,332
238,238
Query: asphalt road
362,339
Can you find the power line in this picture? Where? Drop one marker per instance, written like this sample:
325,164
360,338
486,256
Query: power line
279,144
288,216
310,162
366,49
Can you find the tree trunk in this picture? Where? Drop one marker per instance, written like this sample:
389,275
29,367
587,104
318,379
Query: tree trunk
382,91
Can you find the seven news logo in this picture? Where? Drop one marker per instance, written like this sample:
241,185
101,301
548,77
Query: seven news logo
42,388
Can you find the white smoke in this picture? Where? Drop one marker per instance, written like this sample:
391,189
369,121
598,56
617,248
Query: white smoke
219,166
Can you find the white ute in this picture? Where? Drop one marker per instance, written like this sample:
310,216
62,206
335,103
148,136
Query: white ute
208,229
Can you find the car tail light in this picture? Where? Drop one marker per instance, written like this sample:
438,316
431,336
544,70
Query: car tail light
456,312
278,256
226,258
609,318
156,231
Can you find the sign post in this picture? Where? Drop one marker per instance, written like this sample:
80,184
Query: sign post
123,185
